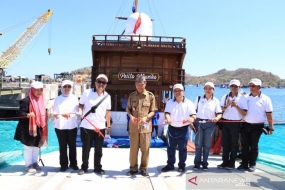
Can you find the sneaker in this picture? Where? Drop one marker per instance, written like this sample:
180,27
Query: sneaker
36,166
242,167
205,168
230,167
181,170
157,138
144,173
129,173
222,166
81,172
251,168
196,167
167,169
99,171
30,169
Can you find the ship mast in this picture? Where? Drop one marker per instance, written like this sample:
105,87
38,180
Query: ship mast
136,5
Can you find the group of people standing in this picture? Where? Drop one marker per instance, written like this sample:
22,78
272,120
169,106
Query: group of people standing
94,110
239,114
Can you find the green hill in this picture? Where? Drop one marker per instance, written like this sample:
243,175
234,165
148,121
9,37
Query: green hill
244,75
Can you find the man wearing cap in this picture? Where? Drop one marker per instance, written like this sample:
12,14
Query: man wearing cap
259,109
140,108
90,98
179,113
233,106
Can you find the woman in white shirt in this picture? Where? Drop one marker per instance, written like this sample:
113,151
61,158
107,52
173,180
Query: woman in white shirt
65,124
208,113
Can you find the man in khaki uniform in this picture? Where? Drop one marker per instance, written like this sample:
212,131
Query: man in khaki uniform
140,108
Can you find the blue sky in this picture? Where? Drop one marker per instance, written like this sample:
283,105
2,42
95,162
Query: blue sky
220,34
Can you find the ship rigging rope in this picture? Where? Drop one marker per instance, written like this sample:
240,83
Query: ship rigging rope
121,9
159,18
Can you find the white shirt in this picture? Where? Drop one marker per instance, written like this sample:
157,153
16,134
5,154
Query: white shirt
179,111
231,113
90,98
164,100
65,105
207,109
257,108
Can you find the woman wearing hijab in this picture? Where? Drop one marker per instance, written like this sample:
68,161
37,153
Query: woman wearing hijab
208,113
31,130
65,124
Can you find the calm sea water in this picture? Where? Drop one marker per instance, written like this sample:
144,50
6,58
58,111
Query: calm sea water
271,147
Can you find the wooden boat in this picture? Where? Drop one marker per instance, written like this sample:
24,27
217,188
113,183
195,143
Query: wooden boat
123,57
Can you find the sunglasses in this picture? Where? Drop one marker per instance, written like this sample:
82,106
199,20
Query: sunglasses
234,86
101,82
66,86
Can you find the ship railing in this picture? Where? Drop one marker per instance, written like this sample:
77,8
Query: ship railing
139,40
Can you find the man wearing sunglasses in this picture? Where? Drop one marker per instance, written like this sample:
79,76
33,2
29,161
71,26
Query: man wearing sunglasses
140,108
233,106
89,98
259,110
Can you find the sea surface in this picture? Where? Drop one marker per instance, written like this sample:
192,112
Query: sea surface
271,147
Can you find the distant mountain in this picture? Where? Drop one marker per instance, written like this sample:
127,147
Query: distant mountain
244,75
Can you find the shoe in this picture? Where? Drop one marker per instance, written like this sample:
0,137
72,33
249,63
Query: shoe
81,172
63,168
181,170
205,168
99,171
30,169
230,167
196,167
144,173
251,168
157,138
242,167
74,167
129,173
167,169
36,166
222,166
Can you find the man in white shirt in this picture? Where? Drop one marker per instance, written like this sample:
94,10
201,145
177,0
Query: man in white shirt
233,106
92,121
179,113
259,110
164,100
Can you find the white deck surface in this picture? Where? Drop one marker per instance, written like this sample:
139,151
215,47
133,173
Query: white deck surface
115,162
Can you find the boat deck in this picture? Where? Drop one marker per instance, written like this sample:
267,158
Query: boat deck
115,162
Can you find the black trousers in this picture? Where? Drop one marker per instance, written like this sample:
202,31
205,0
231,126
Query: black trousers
230,136
156,129
88,137
67,137
250,134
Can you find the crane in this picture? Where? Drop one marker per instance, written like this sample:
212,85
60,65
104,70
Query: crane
14,50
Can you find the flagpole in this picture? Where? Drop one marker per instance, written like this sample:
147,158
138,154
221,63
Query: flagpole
136,5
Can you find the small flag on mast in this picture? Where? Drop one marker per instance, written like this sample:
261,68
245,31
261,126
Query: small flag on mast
138,24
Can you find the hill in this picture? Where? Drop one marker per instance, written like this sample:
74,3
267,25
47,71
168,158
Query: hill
244,75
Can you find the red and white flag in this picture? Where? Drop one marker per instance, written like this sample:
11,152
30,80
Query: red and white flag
137,25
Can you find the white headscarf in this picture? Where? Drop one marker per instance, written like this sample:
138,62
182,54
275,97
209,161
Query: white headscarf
66,82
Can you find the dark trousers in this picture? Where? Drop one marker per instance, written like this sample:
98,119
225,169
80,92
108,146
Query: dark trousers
177,136
250,134
67,137
230,136
155,127
88,137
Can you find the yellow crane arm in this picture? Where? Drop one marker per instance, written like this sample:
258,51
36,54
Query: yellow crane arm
13,51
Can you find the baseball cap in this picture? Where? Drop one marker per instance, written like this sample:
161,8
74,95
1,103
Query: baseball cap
179,86
102,76
140,78
37,85
65,82
210,84
255,81
235,81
